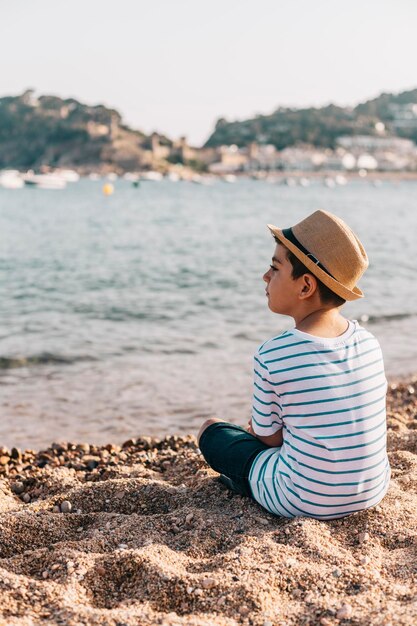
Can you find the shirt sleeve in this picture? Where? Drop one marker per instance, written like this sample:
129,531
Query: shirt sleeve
266,407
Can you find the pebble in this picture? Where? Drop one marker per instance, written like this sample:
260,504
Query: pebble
243,610
189,590
55,566
66,506
45,574
56,509
267,623
18,487
365,560
4,460
90,461
16,453
189,518
198,592
401,538
337,572
208,583
26,498
324,621
119,495
123,546
363,537
344,612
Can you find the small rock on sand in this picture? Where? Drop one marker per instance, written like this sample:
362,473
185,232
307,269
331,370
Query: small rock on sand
344,612
66,506
18,487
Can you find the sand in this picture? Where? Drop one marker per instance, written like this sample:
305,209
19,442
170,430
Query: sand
144,533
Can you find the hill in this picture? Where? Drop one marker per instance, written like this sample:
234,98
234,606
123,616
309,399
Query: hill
55,132
321,126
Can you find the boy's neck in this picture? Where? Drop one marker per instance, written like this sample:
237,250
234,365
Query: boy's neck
322,322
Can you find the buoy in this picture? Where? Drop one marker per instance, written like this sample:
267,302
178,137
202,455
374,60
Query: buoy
108,189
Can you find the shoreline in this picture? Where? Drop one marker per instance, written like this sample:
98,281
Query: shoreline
144,533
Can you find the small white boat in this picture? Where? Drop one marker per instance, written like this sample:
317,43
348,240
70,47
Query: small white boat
71,176
44,181
229,178
152,176
11,179
173,177
131,177
329,182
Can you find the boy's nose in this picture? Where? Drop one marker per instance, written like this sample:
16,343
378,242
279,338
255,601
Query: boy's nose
265,277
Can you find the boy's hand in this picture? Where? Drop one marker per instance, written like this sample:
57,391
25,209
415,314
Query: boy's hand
250,429
274,441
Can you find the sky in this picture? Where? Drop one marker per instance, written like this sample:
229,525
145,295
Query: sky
177,66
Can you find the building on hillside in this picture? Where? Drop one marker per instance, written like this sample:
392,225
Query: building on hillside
371,143
302,158
405,116
231,159
382,153
262,157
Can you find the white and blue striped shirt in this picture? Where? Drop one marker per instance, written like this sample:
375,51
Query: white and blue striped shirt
328,396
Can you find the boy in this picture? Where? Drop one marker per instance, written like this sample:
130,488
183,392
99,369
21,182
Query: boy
316,443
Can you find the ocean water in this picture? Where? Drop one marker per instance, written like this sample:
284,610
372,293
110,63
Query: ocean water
139,313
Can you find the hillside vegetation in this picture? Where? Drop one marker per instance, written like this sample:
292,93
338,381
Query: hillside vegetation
319,126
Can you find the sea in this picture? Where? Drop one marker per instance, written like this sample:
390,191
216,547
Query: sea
139,313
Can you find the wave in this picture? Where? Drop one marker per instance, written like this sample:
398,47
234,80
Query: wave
44,358
389,317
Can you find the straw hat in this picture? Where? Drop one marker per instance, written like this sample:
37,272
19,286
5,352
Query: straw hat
329,249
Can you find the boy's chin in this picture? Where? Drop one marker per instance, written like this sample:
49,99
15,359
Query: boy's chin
276,309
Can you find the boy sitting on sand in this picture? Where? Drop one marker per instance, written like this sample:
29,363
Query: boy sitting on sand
316,443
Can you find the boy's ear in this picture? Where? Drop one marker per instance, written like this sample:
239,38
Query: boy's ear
308,286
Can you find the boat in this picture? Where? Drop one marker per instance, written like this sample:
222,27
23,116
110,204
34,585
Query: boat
11,179
44,181
152,176
329,182
71,176
174,177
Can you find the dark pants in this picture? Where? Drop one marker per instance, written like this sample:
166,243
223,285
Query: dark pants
231,450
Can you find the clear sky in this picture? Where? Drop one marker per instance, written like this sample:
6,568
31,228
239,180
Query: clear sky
176,66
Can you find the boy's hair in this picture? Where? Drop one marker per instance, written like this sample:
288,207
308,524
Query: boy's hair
327,296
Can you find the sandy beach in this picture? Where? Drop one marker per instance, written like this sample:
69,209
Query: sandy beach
145,534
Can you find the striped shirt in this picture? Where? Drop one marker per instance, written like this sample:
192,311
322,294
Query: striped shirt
328,396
